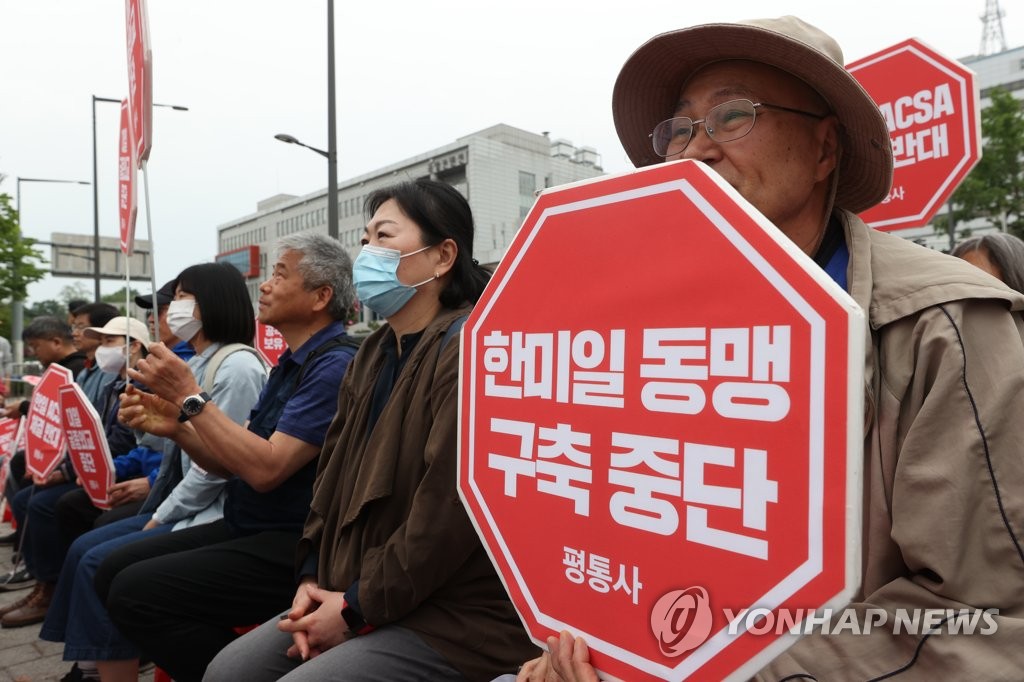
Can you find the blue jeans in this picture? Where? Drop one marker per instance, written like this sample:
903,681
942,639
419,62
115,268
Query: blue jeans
76,615
35,510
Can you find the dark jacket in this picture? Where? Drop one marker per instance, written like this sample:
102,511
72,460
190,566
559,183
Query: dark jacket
386,512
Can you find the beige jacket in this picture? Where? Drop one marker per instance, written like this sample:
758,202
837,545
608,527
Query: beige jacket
943,469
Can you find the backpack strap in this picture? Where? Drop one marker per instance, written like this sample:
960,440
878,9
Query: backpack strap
220,356
343,342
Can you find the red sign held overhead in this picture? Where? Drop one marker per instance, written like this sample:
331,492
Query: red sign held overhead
930,103
140,77
87,444
269,343
670,437
127,173
44,434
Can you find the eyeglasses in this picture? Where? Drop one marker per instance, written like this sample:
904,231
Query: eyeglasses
724,123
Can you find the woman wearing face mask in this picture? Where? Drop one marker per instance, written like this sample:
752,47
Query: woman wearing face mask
394,582
213,312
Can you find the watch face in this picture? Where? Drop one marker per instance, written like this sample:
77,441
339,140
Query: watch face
193,405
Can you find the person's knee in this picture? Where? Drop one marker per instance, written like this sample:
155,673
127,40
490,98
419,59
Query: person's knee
126,595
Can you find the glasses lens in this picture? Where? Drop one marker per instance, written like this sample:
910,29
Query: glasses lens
672,136
731,120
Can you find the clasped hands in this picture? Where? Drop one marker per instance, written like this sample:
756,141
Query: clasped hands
314,621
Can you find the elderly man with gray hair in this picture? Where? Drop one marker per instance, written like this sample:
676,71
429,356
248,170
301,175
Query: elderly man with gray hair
178,596
768,105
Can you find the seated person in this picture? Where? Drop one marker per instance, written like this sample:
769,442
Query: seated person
213,312
201,582
35,506
395,583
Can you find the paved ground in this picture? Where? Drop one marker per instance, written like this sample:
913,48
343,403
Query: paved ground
23,656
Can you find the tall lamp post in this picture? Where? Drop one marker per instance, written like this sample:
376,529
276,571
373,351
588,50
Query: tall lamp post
332,182
17,304
332,138
95,191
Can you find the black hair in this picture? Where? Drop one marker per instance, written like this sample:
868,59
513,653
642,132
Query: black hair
441,212
99,313
223,301
47,327
75,303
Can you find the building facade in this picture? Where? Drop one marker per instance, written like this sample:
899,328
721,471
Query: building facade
499,170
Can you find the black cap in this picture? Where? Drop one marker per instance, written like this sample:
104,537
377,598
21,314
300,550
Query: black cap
164,296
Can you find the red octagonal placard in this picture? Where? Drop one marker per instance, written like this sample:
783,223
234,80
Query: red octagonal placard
87,444
44,432
930,104
661,408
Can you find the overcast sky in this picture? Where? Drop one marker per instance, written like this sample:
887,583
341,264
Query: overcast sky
411,76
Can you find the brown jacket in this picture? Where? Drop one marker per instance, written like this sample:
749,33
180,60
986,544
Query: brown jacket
385,511
943,518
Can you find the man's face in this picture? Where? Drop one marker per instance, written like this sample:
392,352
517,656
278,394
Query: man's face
166,336
283,297
47,351
781,166
82,342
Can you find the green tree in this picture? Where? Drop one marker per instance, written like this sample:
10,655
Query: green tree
117,298
994,189
19,259
48,307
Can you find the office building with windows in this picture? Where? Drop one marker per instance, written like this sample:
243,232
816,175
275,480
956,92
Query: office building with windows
499,170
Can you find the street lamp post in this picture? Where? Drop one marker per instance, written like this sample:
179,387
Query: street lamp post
17,304
95,191
332,139
332,182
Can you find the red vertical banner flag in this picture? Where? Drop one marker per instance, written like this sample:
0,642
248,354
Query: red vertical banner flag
140,78
127,173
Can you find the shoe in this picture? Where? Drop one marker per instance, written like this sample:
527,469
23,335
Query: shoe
17,579
9,539
34,609
18,603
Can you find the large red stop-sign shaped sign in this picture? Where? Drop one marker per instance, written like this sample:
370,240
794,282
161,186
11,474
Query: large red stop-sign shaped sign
930,105
661,407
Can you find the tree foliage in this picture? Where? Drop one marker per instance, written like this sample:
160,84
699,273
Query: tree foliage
19,259
994,190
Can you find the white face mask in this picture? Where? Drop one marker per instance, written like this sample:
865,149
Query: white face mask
180,318
110,359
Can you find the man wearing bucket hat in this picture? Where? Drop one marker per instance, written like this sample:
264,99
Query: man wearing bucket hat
768,105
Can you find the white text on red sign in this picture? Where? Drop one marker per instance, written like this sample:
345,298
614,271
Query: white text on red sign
649,476
913,111
596,570
588,368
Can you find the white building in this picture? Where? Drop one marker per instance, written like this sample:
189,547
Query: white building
499,170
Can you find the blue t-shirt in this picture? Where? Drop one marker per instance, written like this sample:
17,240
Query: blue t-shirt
304,412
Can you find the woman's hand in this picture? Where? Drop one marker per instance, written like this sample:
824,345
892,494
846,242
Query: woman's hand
314,629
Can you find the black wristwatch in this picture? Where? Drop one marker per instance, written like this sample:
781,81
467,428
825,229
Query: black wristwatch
357,625
193,405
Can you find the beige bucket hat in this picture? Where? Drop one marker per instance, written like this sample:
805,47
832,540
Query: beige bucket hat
648,85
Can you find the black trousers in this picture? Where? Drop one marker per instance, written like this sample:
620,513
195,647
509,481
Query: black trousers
76,515
179,595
